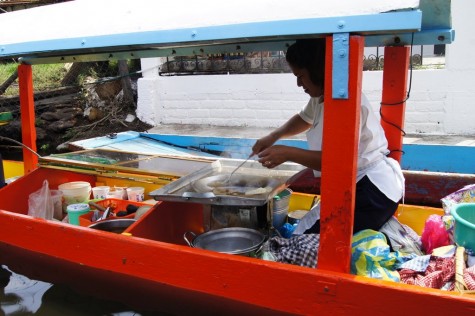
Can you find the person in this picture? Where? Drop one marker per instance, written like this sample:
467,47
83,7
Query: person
380,182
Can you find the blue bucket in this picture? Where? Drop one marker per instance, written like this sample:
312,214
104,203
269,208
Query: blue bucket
464,232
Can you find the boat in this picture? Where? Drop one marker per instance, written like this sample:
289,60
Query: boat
149,266
12,170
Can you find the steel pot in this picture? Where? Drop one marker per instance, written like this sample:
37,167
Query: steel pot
230,240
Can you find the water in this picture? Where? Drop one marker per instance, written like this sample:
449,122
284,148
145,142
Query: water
20,295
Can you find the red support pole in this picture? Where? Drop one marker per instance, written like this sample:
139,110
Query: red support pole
339,162
393,105
27,111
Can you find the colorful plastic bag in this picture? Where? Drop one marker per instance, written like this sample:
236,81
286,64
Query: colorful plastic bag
371,256
464,195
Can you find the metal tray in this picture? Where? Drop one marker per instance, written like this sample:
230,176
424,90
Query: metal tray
187,188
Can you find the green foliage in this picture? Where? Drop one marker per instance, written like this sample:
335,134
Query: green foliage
48,76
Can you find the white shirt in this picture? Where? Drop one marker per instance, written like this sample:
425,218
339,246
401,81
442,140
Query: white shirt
384,172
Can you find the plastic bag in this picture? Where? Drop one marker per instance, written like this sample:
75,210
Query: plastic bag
464,195
402,238
40,203
371,256
434,234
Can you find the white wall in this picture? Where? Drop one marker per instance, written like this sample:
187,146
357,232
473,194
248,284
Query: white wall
441,101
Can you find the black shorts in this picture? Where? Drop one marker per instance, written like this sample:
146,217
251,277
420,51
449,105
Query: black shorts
372,208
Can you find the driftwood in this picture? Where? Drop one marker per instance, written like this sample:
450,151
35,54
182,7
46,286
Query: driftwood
73,73
126,82
8,82
15,100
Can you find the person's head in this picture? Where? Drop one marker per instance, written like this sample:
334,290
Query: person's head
306,58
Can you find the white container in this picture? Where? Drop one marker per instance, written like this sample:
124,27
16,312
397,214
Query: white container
75,192
135,194
100,192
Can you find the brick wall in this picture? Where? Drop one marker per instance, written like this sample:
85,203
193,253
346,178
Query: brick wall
441,101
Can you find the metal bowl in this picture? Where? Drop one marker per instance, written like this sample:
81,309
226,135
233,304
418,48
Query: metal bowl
113,225
231,240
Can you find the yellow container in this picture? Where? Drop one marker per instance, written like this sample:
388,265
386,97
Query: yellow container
413,216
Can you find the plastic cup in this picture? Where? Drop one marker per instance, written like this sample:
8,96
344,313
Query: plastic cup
120,192
135,194
57,197
76,210
100,192
279,217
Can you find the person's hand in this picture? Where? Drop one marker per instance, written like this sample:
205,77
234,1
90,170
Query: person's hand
273,156
262,144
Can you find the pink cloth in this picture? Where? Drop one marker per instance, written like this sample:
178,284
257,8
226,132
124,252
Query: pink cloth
469,277
439,272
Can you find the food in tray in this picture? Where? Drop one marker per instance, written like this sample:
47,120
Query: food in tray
239,185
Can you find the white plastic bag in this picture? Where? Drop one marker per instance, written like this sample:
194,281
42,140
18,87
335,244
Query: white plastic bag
40,203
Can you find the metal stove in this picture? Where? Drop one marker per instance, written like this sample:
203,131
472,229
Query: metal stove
245,200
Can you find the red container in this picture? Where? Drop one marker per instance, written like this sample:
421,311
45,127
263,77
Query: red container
116,205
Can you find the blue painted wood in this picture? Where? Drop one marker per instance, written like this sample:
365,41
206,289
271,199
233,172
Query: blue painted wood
222,146
416,157
383,22
441,158
340,68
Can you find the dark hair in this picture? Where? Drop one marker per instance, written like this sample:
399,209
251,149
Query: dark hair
309,54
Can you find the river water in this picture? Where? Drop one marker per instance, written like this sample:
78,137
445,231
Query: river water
20,295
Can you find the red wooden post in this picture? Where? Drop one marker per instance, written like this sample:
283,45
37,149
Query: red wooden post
396,62
339,162
27,111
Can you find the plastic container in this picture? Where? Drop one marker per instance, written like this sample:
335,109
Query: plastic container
464,232
75,192
57,197
100,192
135,194
279,217
76,210
282,199
294,217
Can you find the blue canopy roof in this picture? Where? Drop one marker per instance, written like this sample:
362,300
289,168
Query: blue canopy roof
86,30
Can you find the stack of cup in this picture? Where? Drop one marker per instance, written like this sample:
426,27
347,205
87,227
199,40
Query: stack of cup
280,208
100,192
135,194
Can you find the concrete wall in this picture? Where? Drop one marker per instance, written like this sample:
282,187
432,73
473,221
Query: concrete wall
441,101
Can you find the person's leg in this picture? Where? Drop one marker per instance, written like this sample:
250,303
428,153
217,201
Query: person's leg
372,208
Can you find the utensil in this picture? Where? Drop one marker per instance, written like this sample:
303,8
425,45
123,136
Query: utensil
230,240
239,166
106,214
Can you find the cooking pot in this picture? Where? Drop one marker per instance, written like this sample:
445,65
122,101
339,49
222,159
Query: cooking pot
230,240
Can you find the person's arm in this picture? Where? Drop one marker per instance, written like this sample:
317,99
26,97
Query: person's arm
275,155
293,126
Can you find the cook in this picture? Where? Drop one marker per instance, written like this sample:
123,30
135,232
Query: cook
380,182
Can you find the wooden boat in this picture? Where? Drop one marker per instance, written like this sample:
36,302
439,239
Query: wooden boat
151,267
12,169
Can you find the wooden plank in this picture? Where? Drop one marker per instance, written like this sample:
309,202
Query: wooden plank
339,162
393,105
27,109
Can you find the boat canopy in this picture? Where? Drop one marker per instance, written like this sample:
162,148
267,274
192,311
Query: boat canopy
91,30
